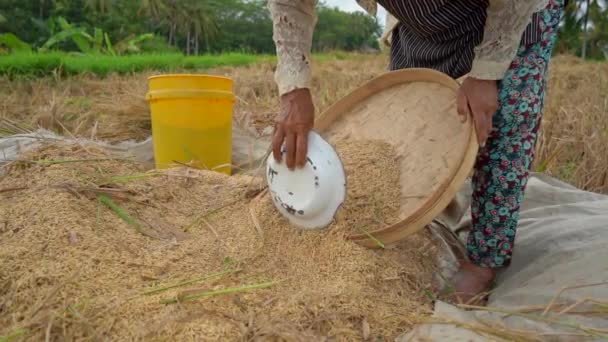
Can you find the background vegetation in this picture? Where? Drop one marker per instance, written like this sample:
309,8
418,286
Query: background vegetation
160,31
190,26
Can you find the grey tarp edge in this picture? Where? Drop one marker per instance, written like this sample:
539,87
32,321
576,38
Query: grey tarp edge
248,148
561,241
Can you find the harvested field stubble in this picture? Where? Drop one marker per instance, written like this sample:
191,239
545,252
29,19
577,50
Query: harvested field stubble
573,140
114,108
90,253
572,146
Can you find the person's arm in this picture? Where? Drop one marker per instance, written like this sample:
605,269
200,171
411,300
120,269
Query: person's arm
293,25
505,24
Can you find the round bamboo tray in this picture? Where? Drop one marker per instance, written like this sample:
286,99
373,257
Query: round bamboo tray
415,111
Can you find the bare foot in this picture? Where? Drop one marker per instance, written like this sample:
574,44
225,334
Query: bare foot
471,283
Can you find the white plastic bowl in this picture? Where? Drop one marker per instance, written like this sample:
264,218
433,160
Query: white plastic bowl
308,197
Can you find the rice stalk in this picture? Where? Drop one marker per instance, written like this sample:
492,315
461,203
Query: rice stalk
9,127
75,314
371,237
588,330
49,326
488,331
544,165
130,178
69,161
13,335
184,298
201,217
19,188
428,294
105,199
256,222
602,307
192,281
558,294
98,212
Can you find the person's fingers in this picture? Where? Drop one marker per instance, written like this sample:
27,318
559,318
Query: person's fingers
480,127
290,147
462,106
489,125
301,148
277,142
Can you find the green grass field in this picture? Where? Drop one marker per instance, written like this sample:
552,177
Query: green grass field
33,65
37,65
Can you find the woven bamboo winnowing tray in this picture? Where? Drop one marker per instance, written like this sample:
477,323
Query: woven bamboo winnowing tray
415,111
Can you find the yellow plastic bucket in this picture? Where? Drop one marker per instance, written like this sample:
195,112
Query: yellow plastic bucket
192,121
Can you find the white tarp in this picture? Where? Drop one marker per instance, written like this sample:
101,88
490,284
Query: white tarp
248,148
562,241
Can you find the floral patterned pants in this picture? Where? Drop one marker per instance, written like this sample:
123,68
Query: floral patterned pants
502,166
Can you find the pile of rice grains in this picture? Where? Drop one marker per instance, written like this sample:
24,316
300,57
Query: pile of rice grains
95,248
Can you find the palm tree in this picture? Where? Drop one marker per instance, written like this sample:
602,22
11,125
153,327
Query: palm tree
44,4
102,6
598,36
41,5
156,9
585,22
594,27
161,12
200,23
190,18
570,30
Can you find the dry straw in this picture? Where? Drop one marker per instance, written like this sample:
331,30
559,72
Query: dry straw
572,142
51,223
100,249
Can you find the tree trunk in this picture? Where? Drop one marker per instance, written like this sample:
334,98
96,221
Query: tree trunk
41,13
172,38
585,21
188,42
196,43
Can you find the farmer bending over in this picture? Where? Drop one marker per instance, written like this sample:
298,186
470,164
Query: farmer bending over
503,46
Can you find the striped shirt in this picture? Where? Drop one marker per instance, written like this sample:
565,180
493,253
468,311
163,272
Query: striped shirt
441,34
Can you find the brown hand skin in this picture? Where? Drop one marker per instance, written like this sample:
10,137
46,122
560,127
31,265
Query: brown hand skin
294,122
478,98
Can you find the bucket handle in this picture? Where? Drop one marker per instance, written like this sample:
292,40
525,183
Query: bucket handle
189,93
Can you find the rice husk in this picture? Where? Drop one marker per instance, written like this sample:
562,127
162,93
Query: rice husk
72,269
372,199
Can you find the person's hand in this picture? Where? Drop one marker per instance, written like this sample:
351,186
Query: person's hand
294,122
478,98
